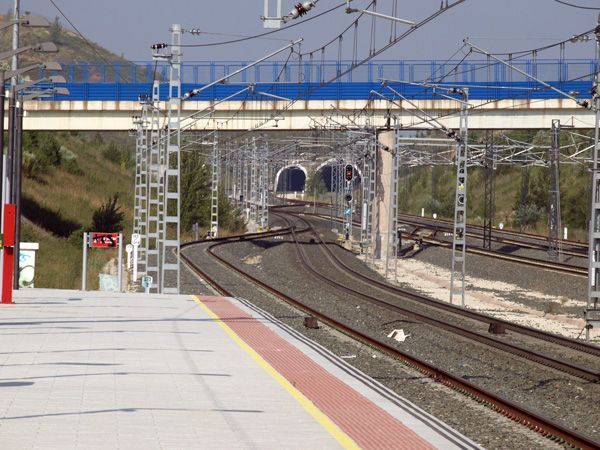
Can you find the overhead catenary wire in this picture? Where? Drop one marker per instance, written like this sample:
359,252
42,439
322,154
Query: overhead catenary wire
476,108
372,54
572,5
545,47
267,33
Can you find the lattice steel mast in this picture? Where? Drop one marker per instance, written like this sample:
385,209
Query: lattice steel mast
154,191
263,187
459,244
140,211
489,207
554,242
214,192
170,273
592,310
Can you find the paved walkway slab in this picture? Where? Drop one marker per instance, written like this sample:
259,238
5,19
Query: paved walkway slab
101,370
94,370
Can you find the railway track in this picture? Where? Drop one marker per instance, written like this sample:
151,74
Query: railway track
516,412
563,268
432,239
482,318
563,366
515,243
529,240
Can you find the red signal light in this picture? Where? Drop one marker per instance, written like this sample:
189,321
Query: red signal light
349,172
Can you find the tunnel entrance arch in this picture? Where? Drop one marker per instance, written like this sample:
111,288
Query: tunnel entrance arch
291,178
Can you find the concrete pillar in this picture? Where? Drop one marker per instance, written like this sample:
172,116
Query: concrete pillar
383,184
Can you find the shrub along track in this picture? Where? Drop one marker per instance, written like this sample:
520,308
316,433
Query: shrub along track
523,415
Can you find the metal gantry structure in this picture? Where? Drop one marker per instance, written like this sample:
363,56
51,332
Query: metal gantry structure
157,201
140,207
489,190
263,187
214,187
554,227
247,167
171,228
592,313
459,237
155,192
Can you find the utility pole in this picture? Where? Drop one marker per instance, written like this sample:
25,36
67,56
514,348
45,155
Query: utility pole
214,196
264,186
154,168
15,40
592,311
17,176
140,208
490,190
171,261
254,185
459,238
12,131
554,228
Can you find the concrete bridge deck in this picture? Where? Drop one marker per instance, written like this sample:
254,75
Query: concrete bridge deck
104,97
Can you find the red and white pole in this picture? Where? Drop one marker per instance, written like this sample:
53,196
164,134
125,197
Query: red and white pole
10,216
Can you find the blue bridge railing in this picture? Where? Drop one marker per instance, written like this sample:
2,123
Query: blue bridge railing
126,81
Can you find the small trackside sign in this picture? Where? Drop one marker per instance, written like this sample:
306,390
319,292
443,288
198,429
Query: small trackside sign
147,281
104,240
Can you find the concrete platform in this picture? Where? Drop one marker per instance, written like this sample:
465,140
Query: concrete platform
97,370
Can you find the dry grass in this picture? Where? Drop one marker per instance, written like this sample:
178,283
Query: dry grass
75,197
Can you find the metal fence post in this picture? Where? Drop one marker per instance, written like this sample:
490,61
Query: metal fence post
120,263
84,266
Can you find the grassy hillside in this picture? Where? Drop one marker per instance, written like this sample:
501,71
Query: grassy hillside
60,198
71,47
67,176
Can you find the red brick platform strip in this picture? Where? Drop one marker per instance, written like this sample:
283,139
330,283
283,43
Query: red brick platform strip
363,421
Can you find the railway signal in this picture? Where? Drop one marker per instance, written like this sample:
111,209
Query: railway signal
349,172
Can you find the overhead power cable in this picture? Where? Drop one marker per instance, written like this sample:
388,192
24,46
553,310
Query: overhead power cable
261,35
577,6
545,47
518,96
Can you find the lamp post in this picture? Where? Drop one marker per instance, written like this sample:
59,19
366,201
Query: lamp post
15,119
16,157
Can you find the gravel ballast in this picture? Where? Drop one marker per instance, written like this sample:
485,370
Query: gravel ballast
274,260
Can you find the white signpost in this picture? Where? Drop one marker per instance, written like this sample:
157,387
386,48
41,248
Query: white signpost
136,239
128,250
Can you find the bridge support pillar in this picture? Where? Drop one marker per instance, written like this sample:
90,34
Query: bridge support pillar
384,208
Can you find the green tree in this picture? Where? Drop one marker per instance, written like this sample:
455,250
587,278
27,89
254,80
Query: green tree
109,217
196,196
41,152
56,31
195,191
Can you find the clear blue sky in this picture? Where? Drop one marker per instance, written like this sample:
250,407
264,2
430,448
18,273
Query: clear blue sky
129,27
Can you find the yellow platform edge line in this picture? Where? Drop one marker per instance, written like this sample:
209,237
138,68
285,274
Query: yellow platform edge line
342,438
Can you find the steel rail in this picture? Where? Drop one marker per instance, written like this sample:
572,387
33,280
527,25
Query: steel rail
546,265
530,419
512,349
521,329
537,237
